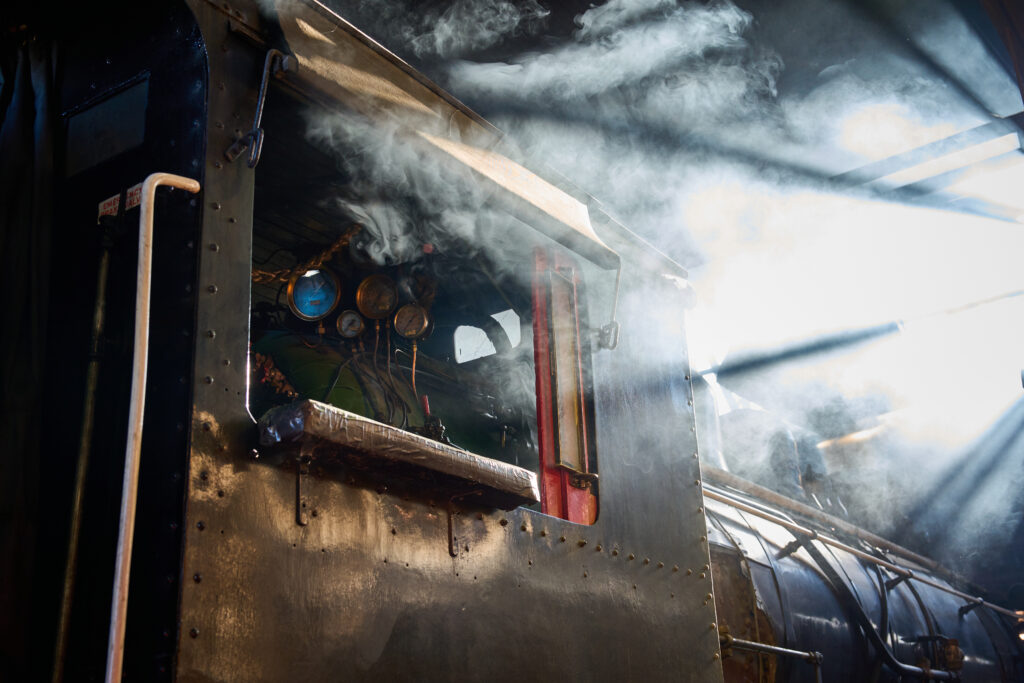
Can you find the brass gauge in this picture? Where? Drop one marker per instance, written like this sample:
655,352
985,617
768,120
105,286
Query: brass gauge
350,324
377,296
412,321
314,294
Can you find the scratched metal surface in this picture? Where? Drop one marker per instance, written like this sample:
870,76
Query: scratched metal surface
368,589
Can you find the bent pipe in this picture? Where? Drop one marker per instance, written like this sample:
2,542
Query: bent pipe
847,596
140,364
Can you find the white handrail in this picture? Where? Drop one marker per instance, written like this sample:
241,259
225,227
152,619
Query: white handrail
130,488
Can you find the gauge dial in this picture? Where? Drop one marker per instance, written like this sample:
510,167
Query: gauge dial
377,296
412,321
350,324
313,294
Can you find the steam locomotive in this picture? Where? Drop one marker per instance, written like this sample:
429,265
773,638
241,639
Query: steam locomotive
321,381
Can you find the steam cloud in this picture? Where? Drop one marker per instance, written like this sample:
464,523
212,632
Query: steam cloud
674,116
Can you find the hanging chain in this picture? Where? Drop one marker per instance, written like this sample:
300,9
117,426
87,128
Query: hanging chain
285,274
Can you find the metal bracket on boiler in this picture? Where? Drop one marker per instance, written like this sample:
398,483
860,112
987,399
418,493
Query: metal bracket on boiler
301,472
275,64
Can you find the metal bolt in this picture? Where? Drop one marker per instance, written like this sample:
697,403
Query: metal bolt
200,525
197,577
212,289
211,334
581,543
194,632
208,379
214,246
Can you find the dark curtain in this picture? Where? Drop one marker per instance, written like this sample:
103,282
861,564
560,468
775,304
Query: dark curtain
27,114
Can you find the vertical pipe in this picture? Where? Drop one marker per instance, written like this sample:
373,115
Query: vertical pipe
82,464
140,362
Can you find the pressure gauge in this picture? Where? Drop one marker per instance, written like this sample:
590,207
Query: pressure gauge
313,294
412,321
350,324
376,296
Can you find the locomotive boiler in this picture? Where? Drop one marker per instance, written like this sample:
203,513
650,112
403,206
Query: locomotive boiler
323,380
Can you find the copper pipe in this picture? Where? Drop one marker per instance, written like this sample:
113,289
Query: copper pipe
133,450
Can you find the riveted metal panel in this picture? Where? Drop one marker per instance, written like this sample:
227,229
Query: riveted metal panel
370,587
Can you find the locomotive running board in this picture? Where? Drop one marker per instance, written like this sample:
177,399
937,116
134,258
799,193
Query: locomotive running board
324,435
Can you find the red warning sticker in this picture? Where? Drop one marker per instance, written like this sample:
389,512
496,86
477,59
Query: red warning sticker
110,205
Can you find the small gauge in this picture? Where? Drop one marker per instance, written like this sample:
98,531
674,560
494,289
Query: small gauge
350,324
313,294
376,296
412,321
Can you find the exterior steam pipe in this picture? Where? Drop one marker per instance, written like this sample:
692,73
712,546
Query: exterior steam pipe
895,568
815,658
140,362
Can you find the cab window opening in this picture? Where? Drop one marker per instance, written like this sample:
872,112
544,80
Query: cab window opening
415,324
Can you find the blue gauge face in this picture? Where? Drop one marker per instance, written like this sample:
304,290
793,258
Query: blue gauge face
314,294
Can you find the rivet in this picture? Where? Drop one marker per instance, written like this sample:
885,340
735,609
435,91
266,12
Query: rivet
543,532
715,656
227,362
598,548
647,560
194,632
703,575
709,596
689,571
314,513
211,334
200,525
503,522
220,493
632,556
215,206
585,575
214,246
522,527
217,164
212,289
232,220
219,124
703,539
208,379
661,565
615,551
707,567
197,577
700,509
204,475
581,543
714,626
207,426
675,567
687,377
561,539
394,531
